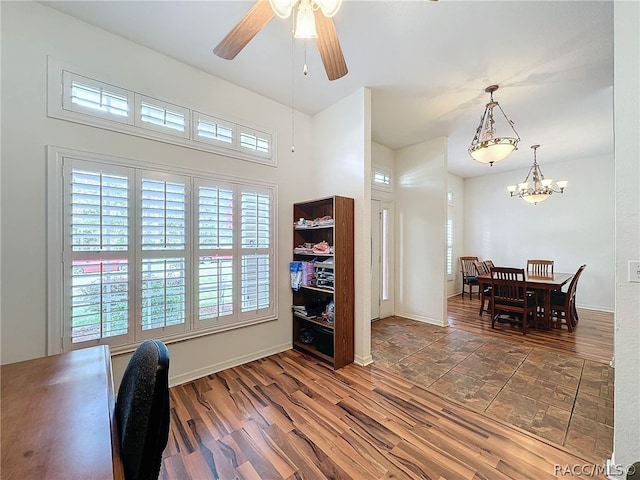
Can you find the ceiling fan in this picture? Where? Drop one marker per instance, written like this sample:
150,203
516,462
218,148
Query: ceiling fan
313,20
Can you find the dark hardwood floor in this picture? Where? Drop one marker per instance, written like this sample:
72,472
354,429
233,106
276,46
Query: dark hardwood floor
592,339
289,416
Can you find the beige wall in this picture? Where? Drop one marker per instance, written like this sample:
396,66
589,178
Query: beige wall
420,218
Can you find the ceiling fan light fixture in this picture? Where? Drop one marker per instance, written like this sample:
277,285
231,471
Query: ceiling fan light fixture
305,21
282,8
329,7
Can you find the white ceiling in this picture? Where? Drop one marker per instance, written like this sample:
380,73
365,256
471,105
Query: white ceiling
427,64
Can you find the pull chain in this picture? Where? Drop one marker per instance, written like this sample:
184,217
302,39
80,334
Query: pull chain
304,69
293,84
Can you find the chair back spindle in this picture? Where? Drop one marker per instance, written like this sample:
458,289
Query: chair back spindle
469,274
540,268
510,296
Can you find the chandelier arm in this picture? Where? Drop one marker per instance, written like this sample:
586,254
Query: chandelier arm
483,119
509,122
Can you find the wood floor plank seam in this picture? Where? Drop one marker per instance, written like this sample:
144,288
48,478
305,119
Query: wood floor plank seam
291,417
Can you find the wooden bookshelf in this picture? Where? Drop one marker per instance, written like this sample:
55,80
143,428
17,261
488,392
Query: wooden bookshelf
338,235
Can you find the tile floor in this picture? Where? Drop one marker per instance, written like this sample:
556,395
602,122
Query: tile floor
559,397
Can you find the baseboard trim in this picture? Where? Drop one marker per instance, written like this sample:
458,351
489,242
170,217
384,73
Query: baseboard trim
230,363
420,318
363,361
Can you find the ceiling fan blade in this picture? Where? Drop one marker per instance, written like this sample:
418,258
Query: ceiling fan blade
329,47
247,28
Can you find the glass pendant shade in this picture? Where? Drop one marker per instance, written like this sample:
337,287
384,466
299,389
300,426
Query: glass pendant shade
305,21
282,8
329,7
493,150
536,197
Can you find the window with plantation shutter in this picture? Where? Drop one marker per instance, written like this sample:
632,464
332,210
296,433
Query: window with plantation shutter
143,253
161,116
213,130
255,141
163,243
215,255
256,242
450,213
449,259
95,98
97,261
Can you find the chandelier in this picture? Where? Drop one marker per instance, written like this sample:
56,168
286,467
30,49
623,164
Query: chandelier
487,146
542,187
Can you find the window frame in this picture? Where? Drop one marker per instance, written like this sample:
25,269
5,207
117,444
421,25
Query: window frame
165,106
198,116
58,100
388,187
258,134
68,78
450,237
58,255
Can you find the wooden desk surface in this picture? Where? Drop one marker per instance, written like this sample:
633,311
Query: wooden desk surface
57,418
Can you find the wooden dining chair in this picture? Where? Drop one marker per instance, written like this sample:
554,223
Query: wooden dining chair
540,268
469,275
488,264
510,297
483,269
563,304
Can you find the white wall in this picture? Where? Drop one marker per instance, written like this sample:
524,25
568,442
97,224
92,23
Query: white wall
342,166
420,219
456,185
573,228
30,32
626,433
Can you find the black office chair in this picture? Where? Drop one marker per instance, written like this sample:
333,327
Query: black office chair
142,411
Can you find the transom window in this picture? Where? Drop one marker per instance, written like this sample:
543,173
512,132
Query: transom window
381,178
80,98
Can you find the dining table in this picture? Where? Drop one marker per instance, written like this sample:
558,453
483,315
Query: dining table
545,284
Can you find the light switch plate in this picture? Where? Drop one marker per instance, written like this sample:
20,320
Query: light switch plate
634,271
